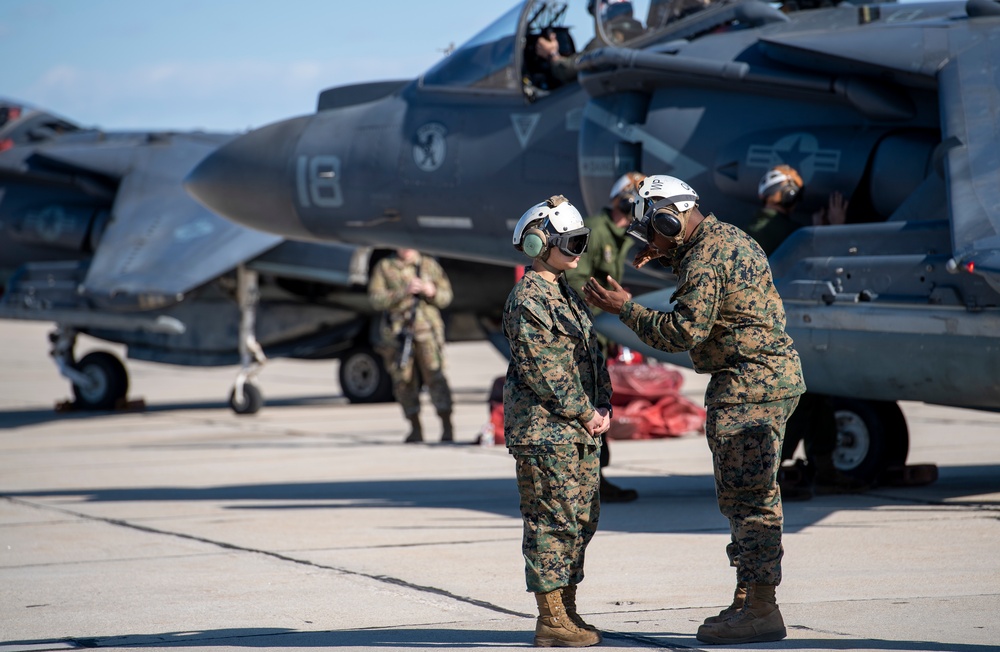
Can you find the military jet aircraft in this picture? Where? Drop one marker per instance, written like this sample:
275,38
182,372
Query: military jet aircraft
888,103
892,104
98,236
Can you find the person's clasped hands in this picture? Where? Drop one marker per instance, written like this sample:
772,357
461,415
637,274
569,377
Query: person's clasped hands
599,423
419,286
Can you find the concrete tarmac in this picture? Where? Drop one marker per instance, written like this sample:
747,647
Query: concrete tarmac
311,526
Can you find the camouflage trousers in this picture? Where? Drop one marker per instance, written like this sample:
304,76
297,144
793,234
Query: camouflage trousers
426,367
560,507
745,440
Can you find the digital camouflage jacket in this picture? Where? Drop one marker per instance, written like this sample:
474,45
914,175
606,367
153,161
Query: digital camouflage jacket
556,378
728,315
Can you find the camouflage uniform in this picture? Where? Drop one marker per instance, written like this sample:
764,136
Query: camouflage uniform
387,292
730,318
555,382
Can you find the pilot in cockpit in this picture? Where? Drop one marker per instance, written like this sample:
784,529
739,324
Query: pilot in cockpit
550,56
551,59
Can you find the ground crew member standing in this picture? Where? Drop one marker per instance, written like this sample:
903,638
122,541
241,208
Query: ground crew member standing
730,318
557,402
411,289
606,254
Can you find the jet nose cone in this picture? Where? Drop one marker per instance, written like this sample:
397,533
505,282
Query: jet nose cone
250,179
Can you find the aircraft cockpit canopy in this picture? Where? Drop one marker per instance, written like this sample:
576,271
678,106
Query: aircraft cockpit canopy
620,22
503,57
486,61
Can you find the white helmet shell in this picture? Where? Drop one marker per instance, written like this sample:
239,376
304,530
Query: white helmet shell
668,190
771,180
627,182
554,215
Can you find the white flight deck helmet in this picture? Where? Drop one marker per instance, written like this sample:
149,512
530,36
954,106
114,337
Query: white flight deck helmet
783,179
664,206
623,193
552,223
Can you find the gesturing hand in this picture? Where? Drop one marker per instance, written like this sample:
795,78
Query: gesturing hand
647,254
610,300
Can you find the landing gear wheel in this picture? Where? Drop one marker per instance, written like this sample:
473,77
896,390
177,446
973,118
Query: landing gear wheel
363,377
108,381
871,437
252,401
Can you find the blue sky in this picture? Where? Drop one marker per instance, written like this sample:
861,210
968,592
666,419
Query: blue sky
223,65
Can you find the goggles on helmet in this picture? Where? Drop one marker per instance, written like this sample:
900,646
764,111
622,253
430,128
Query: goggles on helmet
640,230
571,243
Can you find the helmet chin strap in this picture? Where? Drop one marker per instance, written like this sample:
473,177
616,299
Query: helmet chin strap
545,264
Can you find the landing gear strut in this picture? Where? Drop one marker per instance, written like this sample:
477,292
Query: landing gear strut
246,397
99,379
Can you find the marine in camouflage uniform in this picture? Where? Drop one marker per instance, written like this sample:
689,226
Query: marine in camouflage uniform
389,291
729,317
555,381
557,402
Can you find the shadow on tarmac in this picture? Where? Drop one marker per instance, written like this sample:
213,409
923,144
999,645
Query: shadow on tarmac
668,504
38,416
438,638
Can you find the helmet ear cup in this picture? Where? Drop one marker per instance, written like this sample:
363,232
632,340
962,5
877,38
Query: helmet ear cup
665,222
534,243
789,193
624,205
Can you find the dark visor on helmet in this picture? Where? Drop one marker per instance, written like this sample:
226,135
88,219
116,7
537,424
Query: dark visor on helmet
572,243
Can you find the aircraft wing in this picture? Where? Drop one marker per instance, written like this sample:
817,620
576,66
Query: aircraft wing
160,242
969,99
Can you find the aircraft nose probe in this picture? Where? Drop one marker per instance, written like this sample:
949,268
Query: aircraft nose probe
250,179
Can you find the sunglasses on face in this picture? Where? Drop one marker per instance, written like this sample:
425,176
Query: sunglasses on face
572,243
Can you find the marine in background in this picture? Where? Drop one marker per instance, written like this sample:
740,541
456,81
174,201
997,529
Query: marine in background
411,289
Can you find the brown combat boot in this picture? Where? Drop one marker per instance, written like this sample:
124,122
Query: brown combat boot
759,621
447,432
554,627
739,596
416,432
569,602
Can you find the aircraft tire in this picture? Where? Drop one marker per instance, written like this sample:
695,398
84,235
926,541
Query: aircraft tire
252,401
871,437
363,377
110,381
